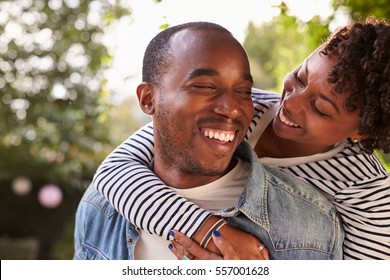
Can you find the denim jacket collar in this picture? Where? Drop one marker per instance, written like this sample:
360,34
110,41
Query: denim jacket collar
257,187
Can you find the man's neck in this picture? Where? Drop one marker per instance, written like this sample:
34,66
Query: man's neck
175,178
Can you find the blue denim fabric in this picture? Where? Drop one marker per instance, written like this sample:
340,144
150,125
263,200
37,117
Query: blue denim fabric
293,219
101,233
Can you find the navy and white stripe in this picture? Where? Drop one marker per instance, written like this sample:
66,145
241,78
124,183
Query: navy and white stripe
356,182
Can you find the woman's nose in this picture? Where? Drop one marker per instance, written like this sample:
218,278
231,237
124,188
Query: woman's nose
295,101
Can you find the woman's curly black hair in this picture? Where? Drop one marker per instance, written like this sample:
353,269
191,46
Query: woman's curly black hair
363,70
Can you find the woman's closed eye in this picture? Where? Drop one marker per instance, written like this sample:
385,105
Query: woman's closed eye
316,110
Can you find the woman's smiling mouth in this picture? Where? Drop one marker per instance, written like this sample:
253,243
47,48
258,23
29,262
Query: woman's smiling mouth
283,118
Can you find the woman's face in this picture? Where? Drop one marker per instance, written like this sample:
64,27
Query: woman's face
309,112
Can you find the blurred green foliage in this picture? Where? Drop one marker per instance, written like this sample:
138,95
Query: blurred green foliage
51,78
359,9
275,48
54,111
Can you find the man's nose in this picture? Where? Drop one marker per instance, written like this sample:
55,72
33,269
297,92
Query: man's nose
228,105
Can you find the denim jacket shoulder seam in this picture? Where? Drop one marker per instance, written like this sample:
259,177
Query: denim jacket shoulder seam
103,210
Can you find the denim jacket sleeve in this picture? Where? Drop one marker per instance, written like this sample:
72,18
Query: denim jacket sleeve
101,233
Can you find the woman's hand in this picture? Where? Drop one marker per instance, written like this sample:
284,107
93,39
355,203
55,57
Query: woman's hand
183,246
247,246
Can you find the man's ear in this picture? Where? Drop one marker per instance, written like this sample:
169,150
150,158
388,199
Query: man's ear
145,93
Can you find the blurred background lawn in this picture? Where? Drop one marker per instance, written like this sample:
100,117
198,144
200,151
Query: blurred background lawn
60,117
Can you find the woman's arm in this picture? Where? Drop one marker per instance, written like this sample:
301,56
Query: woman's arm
139,195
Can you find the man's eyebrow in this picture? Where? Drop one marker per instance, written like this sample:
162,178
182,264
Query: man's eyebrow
211,72
321,95
248,77
202,72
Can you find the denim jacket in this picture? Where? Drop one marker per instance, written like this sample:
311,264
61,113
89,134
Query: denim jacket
293,219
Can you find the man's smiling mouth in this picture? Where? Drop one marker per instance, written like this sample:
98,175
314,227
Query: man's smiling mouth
221,135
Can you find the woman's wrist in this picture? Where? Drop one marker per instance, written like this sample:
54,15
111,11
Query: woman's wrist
205,232
215,227
205,228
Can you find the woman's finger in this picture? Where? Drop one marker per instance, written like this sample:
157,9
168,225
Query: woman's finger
183,245
264,251
227,250
178,250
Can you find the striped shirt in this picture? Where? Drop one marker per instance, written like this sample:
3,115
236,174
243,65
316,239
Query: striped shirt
356,182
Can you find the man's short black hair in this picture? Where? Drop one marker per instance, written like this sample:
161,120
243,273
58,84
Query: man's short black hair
157,56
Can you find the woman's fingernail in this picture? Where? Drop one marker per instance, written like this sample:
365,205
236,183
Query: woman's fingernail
216,233
171,233
170,246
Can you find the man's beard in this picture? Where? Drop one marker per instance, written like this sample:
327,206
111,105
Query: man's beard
180,156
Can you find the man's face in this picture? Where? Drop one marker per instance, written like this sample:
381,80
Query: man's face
203,107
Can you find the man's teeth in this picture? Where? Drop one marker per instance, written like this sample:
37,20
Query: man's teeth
221,136
285,121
